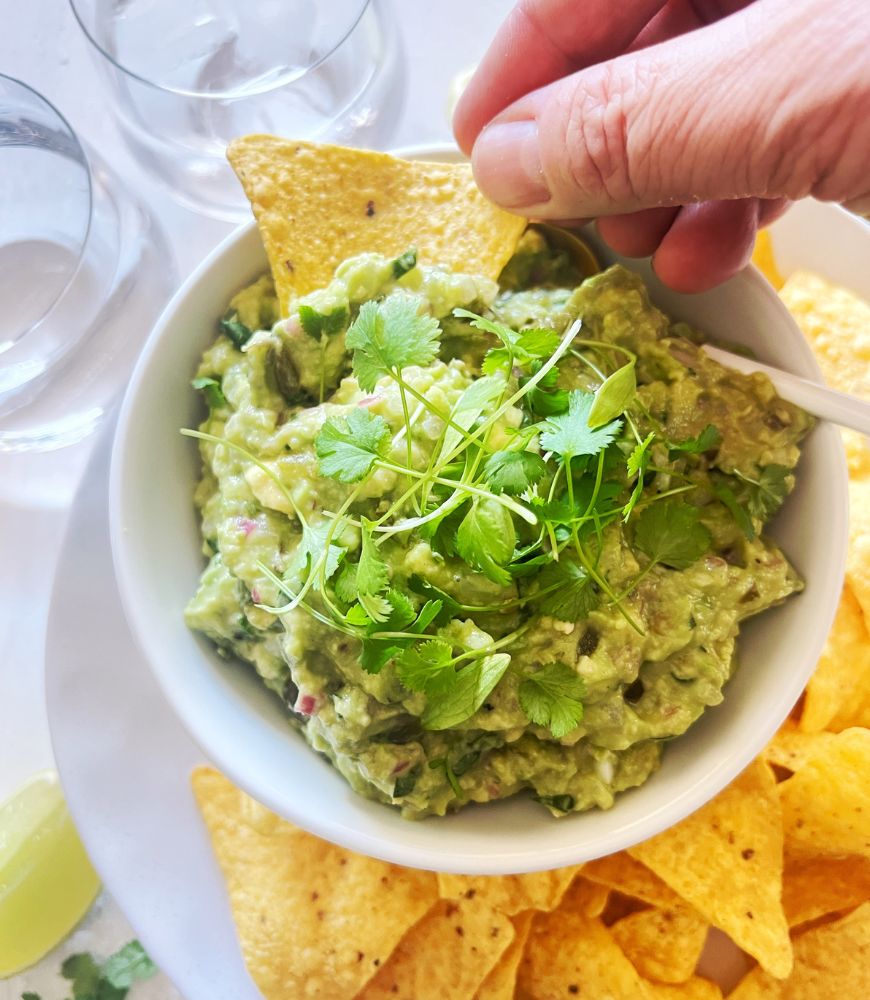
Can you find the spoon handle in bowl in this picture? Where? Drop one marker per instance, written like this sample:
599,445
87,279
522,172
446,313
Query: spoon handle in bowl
827,404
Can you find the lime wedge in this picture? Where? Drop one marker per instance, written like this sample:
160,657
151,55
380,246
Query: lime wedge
46,880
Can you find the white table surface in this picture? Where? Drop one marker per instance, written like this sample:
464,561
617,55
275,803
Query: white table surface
42,45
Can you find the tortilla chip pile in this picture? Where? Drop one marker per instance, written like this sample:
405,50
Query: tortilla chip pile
779,861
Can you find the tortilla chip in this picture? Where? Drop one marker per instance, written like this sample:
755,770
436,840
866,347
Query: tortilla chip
501,982
662,944
826,805
791,748
695,988
831,961
510,894
316,205
726,861
815,887
763,259
448,954
302,907
572,955
858,556
628,876
583,896
837,324
843,670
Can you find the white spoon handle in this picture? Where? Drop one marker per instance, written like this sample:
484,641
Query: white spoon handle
828,404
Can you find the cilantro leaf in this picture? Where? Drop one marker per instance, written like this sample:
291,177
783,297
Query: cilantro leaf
377,607
232,326
348,449
569,434
513,472
378,652
636,466
765,495
672,534
449,607
613,395
470,690
726,495
552,697
496,359
573,595
546,403
486,539
345,583
708,438
427,667
391,335
403,612
308,552
404,262
372,574
84,973
468,408
211,389
128,965
317,324
538,342
29,995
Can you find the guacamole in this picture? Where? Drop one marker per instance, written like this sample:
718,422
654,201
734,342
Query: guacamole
485,538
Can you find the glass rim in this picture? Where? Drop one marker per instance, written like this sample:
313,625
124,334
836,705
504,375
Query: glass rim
80,251
291,76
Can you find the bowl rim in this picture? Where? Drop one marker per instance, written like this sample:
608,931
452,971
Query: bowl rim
374,844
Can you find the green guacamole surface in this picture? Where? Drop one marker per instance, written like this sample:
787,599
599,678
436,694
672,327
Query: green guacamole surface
651,663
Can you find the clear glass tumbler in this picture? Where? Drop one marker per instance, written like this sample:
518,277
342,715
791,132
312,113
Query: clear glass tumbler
187,76
84,271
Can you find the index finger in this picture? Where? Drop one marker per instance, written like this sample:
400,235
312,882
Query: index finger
542,41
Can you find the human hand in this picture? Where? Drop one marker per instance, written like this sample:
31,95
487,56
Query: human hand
683,126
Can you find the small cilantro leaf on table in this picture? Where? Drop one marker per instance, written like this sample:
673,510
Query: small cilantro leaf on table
570,435
110,980
472,686
552,697
349,447
513,472
672,534
486,540
391,335
128,965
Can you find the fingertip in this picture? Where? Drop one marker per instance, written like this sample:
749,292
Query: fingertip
637,234
707,244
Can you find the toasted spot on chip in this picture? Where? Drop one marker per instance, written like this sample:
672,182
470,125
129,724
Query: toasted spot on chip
791,748
317,205
501,981
447,954
826,805
302,907
726,861
815,887
842,675
662,944
510,894
569,954
830,961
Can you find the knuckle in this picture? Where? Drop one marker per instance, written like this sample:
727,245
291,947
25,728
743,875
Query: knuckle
598,124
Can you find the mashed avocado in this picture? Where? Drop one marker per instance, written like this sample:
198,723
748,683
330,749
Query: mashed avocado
475,546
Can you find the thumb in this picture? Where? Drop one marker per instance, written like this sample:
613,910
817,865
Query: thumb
772,102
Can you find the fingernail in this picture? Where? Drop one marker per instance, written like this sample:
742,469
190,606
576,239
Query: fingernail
507,164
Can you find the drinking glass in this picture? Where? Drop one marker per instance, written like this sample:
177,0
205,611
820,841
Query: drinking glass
83,273
187,77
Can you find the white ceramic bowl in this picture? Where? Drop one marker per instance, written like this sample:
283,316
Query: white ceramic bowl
244,730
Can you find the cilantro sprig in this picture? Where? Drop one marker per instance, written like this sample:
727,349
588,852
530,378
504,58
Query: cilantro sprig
111,979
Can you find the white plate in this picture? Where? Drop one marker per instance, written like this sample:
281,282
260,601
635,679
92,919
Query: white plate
125,760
